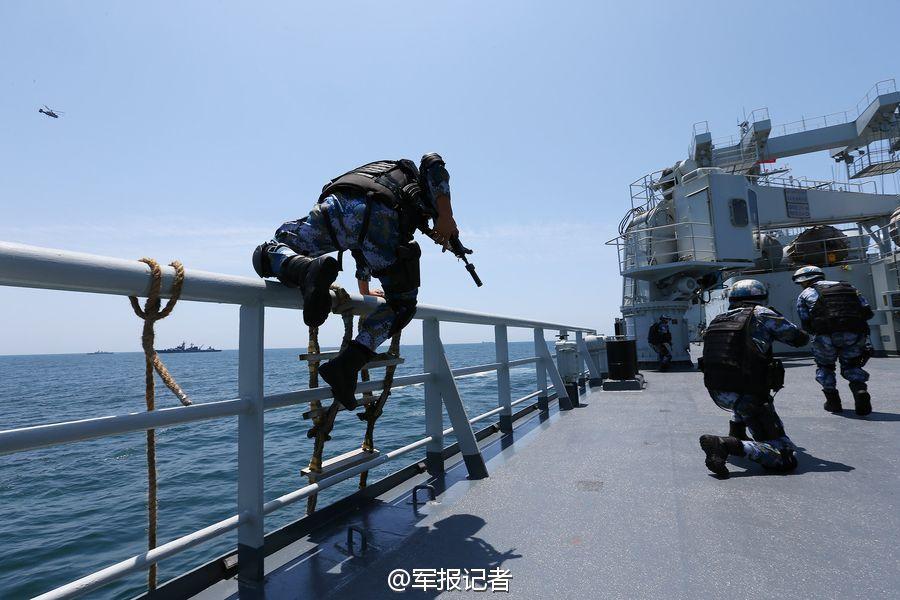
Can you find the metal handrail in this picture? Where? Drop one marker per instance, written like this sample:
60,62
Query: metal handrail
810,184
22,265
881,88
623,244
885,86
35,267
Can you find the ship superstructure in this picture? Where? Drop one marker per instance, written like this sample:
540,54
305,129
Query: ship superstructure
725,211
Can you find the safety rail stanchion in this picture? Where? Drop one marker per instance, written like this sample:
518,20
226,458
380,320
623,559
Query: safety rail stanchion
43,268
251,532
541,371
434,412
555,379
449,394
592,369
504,398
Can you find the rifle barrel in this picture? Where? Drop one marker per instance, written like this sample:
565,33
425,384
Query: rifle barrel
471,269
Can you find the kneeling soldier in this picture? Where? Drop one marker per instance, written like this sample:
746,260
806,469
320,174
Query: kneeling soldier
660,339
739,373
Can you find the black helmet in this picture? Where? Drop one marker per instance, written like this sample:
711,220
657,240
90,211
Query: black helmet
432,174
430,160
748,291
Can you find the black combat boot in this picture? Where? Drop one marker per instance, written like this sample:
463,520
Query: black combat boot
737,430
314,276
342,371
717,449
861,397
261,263
832,401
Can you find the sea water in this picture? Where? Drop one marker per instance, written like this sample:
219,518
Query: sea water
71,510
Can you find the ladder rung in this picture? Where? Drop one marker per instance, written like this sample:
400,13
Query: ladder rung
380,361
383,362
345,461
362,401
319,356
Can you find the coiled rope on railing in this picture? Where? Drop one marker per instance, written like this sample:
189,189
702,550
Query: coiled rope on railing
151,313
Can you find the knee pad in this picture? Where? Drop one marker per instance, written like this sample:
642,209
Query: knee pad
788,461
404,311
857,362
764,423
261,261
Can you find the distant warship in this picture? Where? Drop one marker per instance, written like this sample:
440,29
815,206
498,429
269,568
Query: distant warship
182,347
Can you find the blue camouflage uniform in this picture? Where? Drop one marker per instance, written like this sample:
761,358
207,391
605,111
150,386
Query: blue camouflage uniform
661,348
845,346
310,237
767,326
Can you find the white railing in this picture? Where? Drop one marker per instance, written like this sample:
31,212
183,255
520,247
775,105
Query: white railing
33,267
881,88
646,247
885,86
805,183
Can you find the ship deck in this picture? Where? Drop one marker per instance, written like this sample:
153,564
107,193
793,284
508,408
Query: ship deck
612,499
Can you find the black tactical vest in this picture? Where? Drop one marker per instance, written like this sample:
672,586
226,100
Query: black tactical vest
392,182
732,362
655,336
838,309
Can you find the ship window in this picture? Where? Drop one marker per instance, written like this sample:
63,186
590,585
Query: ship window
739,216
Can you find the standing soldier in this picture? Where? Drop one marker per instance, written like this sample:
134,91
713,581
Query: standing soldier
740,374
660,339
836,313
372,211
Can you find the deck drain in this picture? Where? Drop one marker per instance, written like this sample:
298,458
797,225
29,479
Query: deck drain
588,485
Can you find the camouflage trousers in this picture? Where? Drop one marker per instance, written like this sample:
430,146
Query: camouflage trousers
310,237
663,354
769,453
847,348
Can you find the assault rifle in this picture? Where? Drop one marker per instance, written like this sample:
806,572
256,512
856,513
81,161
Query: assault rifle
458,250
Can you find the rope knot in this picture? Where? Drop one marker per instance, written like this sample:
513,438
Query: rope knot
150,314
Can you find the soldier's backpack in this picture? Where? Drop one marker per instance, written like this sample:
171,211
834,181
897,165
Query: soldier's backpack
839,309
732,362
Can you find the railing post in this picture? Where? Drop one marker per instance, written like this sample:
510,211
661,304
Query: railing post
571,388
583,359
559,387
596,378
504,398
250,453
443,376
434,413
541,371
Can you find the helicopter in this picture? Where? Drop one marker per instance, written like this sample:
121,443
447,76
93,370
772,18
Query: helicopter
50,112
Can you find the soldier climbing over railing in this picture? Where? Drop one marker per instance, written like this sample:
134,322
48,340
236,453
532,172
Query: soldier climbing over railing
372,211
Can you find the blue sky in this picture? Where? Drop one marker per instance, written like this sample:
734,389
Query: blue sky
192,130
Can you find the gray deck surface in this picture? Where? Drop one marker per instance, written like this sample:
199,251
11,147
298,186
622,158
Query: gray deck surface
613,500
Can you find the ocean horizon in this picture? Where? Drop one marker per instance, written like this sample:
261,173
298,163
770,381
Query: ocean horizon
73,509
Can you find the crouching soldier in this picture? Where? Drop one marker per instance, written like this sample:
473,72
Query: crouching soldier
660,339
740,374
836,313
372,211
